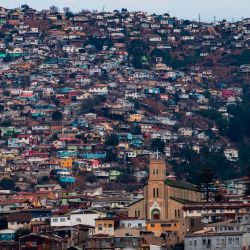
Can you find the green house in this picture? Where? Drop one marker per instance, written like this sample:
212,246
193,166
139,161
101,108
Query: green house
114,174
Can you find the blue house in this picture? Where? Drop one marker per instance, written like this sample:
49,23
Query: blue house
7,235
67,153
152,91
95,156
64,176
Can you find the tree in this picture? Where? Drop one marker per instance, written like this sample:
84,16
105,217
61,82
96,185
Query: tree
110,156
43,180
126,178
138,50
7,58
158,144
7,183
56,101
112,140
6,92
54,136
68,12
54,9
3,223
161,53
137,47
81,136
6,123
1,108
57,116
99,42
206,176
247,191
136,130
21,232
91,178
87,105
66,9
25,7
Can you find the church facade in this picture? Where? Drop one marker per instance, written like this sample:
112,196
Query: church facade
163,199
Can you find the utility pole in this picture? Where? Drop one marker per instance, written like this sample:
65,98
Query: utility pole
199,18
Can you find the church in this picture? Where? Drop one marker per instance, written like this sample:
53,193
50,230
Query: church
163,198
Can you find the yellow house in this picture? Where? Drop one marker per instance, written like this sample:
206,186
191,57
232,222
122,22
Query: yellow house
66,162
105,225
177,227
135,117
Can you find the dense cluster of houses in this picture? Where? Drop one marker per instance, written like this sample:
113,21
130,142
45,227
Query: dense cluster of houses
77,122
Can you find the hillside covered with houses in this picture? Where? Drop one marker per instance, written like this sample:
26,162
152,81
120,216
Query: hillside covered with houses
88,100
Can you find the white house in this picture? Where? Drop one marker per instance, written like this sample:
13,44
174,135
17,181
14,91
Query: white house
231,154
185,131
75,218
132,223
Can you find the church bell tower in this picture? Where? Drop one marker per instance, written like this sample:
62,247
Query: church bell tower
155,190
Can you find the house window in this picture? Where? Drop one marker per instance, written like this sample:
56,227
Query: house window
192,222
230,240
110,225
62,219
237,240
55,220
135,213
139,213
100,227
139,224
195,242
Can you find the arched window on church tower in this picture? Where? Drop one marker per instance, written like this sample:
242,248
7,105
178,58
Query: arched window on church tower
156,192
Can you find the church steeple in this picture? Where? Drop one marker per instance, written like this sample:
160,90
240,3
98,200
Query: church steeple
157,170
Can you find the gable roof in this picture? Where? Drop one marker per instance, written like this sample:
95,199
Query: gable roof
135,202
181,185
19,217
183,201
